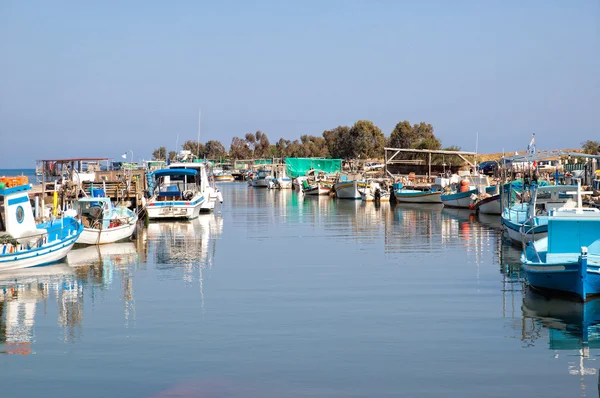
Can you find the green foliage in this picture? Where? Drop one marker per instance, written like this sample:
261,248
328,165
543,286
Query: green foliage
367,140
338,142
591,147
314,147
239,149
173,156
403,136
160,153
196,149
214,150
259,144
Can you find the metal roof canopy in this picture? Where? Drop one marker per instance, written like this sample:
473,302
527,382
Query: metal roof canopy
72,160
545,155
391,160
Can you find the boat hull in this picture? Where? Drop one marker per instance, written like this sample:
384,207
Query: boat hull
521,235
261,183
91,236
174,210
418,197
317,191
580,278
369,197
347,190
46,254
224,178
491,205
461,200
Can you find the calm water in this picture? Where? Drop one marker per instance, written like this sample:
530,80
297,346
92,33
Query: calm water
280,296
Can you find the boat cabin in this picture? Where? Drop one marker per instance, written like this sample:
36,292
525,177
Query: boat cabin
176,184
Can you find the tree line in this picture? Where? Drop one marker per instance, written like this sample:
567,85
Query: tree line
363,140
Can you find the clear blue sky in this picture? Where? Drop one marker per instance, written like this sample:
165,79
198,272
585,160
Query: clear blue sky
100,78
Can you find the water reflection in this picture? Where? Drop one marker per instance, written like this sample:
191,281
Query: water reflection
21,290
573,329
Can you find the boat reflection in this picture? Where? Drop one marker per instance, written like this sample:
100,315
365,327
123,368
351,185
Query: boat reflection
490,221
571,326
21,290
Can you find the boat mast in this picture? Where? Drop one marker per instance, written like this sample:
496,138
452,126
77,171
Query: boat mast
199,116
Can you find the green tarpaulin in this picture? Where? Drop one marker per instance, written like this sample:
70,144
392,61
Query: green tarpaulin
296,167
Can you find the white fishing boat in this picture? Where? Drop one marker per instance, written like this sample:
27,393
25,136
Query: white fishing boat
318,188
181,191
205,185
374,191
102,222
261,178
176,194
23,243
349,188
489,204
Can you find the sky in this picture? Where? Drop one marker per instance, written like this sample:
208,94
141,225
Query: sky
103,78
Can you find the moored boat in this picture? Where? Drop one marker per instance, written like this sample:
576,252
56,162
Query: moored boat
102,222
261,178
24,244
413,195
375,192
349,189
177,194
316,189
489,205
567,260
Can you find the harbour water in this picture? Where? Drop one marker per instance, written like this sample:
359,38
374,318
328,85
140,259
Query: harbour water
276,295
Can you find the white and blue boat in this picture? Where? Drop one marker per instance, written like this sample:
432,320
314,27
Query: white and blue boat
23,243
567,260
176,194
261,178
527,219
102,222
416,195
460,195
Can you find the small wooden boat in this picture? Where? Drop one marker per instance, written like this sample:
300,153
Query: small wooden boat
261,178
23,243
349,189
316,189
104,223
416,195
489,205
374,192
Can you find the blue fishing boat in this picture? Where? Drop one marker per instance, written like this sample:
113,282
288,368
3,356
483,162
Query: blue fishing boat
567,260
23,243
527,218
416,195
461,194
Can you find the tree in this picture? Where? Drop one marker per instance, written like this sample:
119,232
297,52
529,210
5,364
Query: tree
591,147
214,150
195,148
367,140
172,156
160,153
239,149
315,147
403,136
258,143
338,142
